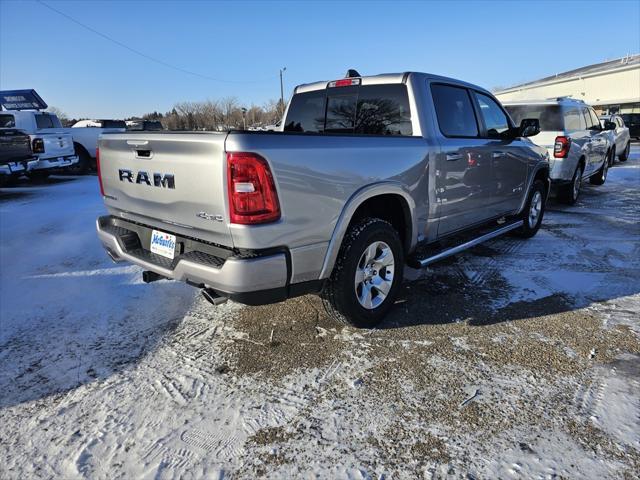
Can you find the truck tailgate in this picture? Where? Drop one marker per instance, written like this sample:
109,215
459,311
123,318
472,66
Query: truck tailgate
170,180
56,143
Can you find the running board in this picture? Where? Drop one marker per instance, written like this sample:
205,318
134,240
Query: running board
423,262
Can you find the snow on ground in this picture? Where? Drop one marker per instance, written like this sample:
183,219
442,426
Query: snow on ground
518,359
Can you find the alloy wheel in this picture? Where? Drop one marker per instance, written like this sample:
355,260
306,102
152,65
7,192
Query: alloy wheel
374,275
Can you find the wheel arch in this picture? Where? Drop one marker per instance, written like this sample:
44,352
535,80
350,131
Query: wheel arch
387,200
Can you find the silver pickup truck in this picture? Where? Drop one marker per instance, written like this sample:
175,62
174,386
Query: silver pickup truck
368,174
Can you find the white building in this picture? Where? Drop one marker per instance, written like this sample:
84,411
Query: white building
611,87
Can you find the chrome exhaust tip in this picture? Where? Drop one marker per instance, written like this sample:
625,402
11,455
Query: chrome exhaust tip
212,297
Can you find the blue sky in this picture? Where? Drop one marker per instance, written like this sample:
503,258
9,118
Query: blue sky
245,43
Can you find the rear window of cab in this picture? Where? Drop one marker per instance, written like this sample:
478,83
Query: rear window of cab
364,110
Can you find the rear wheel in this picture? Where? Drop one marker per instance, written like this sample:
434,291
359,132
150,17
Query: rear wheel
569,193
601,175
84,162
533,210
367,274
625,154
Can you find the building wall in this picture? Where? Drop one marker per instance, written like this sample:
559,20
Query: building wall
618,88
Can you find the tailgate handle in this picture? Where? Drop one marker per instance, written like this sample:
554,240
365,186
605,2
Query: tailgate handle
143,153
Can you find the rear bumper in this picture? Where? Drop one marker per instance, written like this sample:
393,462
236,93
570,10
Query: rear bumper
16,168
257,280
54,162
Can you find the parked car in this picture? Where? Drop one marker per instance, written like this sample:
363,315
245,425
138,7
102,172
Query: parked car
368,172
15,154
579,147
85,135
632,121
51,146
148,125
620,137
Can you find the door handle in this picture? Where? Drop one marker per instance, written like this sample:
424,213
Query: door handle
497,154
452,157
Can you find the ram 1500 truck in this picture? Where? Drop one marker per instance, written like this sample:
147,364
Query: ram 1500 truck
367,174
52,148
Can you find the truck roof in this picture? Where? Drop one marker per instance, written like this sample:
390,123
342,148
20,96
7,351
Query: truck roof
548,101
387,78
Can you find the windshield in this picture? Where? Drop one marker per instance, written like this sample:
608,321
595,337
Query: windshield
549,116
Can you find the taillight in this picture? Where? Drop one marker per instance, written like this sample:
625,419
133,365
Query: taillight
38,145
99,173
252,192
561,147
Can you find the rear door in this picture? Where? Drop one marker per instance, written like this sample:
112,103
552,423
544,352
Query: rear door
598,140
463,165
509,156
173,181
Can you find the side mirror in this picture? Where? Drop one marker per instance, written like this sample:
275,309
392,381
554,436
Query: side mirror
529,127
608,125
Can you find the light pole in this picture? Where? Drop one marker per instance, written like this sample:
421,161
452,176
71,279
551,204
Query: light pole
244,118
282,91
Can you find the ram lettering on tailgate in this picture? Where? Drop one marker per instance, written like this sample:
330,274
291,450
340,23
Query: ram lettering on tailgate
164,180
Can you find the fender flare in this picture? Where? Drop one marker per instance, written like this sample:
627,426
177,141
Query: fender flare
357,199
532,176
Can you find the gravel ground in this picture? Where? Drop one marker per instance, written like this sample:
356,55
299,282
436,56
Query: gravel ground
517,359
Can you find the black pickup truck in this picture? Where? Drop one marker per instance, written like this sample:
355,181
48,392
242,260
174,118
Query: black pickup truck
15,154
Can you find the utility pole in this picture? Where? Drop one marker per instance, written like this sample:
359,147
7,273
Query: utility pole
282,92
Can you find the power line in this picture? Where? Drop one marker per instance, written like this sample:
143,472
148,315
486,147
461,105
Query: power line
141,54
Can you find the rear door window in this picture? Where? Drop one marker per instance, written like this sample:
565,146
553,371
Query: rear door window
7,121
495,120
594,118
587,118
454,111
364,110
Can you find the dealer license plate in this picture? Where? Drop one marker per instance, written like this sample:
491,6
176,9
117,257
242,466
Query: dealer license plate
163,244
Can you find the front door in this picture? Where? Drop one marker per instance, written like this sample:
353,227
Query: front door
463,180
510,156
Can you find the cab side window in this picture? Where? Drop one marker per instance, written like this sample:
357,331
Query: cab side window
454,111
495,120
7,121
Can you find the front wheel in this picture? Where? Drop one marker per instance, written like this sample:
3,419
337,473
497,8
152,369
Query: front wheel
625,154
367,274
533,210
601,175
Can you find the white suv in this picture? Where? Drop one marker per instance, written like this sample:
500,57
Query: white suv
579,147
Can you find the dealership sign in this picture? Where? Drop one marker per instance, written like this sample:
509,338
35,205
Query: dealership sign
21,100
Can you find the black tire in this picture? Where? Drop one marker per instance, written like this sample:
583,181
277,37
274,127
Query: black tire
567,193
340,296
84,162
612,157
39,176
600,176
537,194
624,156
